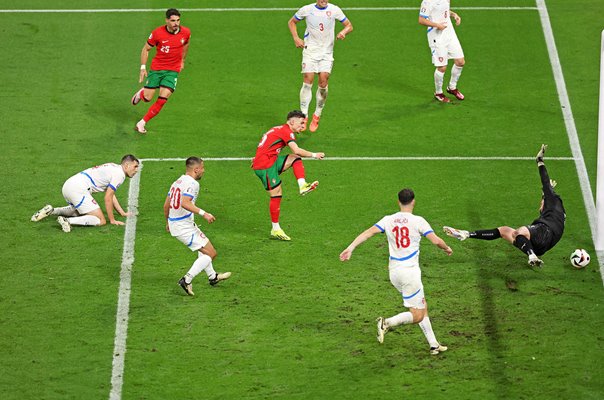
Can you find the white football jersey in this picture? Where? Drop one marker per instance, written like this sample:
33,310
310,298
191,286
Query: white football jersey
404,232
320,26
437,11
104,176
179,218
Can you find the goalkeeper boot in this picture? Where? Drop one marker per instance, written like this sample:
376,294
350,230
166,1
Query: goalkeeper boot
279,234
187,287
438,349
456,233
541,153
42,213
308,187
221,276
65,225
381,329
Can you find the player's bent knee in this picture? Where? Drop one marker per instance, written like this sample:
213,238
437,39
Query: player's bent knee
418,314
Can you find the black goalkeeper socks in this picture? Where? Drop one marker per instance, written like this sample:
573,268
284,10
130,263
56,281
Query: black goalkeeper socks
524,245
487,234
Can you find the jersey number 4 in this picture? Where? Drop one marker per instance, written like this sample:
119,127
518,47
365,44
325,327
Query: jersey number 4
175,198
401,236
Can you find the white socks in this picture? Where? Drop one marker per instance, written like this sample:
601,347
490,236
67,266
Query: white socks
203,262
428,332
89,220
305,97
301,182
67,211
455,73
438,81
276,226
321,97
400,319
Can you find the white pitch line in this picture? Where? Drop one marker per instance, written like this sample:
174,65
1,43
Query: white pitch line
123,302
420,158
251,9
569,121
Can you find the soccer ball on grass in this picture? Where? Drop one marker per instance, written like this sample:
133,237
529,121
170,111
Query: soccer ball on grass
579,258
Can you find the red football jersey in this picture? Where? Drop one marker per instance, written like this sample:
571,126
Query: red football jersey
271,144
170,47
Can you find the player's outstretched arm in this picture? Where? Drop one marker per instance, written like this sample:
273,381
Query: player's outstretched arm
291,24
436,240
347,253
304,153
347,29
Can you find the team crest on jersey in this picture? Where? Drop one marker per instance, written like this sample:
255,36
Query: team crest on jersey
328,13
440,59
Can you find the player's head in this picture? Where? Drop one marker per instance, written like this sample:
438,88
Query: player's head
295,120
172,19
130,165
322,3
195,167
406,197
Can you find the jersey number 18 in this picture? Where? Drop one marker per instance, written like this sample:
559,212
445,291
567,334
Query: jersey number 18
401,236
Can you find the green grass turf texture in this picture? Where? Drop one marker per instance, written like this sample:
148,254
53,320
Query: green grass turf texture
294,322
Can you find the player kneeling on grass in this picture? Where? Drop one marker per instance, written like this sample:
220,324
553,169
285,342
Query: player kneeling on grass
534,239
180,210
268,164
77,191
404,231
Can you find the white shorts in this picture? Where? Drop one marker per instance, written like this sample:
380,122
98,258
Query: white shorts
316,63
76,191
193,238
444,48
408,281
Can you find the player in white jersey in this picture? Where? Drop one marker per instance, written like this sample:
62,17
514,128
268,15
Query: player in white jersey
404,231
180,210
317,56
77,191
444,44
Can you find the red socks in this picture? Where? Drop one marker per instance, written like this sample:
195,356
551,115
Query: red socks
155,108
298,168
275,208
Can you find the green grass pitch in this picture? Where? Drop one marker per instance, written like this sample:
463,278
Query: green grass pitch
294,322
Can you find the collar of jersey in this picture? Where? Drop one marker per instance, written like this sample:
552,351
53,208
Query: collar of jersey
319,8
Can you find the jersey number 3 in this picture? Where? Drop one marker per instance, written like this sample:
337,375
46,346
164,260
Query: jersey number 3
401,237
175,198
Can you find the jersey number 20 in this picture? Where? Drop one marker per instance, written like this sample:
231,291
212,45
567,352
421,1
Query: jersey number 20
401,236
175,198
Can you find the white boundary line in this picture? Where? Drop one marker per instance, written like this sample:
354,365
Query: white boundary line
571,129
375,158
123,301
134,10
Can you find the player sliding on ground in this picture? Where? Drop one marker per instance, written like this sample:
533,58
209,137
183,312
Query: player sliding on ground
180,210
268,164
404,231
535,239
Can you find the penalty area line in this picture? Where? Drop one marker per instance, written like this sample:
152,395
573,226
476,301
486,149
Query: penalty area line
123,302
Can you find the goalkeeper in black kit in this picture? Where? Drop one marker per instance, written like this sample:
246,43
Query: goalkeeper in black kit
538,237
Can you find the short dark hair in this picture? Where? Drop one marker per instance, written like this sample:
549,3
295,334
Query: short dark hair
129,158
172,11
193,161
406,196
295,114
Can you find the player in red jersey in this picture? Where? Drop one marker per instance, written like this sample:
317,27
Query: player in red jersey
172,41
268,164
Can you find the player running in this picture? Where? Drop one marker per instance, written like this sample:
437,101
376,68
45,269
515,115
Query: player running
317,56
77,191
444,44
268,165
179,210
172,42
404,231
536,239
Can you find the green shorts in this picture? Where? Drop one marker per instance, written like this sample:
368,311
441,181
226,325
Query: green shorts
270,176
163,78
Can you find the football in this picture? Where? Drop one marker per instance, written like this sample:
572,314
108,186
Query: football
579,258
